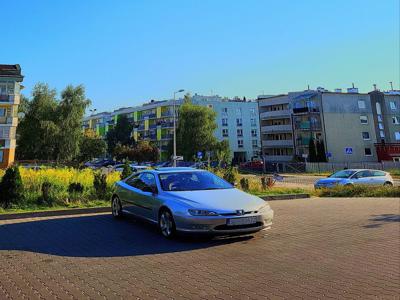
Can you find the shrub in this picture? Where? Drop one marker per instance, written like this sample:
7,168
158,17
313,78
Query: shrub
46,197
360,191
230,175
244,184
100,185
75,187
127,171
11,187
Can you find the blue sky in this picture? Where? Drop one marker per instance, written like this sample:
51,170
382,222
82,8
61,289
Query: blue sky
127,52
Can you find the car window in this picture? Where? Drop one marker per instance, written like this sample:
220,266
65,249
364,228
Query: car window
342,174
148,179
363,174
378,173
132,181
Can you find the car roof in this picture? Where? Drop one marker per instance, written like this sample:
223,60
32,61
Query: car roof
176,170
357,170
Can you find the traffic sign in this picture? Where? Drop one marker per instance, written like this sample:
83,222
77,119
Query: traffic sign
328,154
177,158
348,150
200,154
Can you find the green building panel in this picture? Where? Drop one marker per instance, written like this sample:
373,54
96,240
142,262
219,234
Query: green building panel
158,134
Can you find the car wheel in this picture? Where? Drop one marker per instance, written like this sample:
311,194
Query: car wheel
116,207
388,183
166,224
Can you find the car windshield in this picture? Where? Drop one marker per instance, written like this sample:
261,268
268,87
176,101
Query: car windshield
192,181
342,174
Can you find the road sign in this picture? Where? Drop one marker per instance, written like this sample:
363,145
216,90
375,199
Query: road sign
200,154
177,158
348,150
328,154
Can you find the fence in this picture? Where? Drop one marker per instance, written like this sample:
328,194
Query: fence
332,167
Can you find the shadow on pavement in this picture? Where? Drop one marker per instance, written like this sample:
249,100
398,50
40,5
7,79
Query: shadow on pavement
97,236
382,218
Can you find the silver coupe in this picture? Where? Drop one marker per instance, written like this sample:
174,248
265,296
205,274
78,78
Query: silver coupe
190,201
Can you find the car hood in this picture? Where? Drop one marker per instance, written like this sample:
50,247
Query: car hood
221,200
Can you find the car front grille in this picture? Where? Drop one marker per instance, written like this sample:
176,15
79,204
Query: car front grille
235,214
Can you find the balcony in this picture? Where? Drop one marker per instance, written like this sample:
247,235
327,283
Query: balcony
9,99
277,143
307,125
153,126
167,125
167,114
7,132
167,136
276,128
278,158
305,110
147,116
273,114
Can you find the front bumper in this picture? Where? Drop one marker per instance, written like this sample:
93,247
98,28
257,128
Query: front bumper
218,225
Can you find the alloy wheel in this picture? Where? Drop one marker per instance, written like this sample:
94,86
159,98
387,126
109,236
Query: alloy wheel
116,207
167,225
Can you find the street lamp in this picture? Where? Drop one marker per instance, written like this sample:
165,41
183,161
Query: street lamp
174,158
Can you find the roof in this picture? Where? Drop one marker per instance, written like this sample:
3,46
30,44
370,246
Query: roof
10,71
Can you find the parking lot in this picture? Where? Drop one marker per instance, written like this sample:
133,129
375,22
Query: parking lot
317,248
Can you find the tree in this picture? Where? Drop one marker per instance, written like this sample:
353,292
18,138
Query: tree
120,134
312,152
37,132
127,170
321,155
70,113
91,146
195,130
145,151
223,152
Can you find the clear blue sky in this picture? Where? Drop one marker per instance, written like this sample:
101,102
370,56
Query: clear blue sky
127,52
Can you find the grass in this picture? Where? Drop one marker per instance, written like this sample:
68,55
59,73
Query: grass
359,191
274,191
33,207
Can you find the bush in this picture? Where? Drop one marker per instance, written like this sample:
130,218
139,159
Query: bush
360,191
244,184
100,185
46,197
230,175
11,188
127,171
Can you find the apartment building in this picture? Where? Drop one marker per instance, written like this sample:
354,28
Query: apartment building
353,126
10,86
237,121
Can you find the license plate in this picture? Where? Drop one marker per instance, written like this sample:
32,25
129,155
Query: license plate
241,221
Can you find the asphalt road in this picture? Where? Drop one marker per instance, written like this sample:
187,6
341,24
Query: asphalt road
317,248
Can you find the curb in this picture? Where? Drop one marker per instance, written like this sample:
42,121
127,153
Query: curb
51,213
286,197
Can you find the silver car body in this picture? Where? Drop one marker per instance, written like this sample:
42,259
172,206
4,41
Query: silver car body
248,212
358,177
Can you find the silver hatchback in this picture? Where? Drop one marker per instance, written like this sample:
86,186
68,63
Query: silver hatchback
190,200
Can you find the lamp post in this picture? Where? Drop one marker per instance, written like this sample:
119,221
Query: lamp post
174,158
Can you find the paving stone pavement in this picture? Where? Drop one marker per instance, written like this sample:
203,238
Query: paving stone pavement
317,248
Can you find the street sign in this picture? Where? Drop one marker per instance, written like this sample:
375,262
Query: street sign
177,158
348,150
200,154
328,154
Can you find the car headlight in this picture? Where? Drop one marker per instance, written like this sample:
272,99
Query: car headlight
265,208
202,212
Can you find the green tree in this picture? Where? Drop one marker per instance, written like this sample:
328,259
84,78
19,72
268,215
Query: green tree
223,152
312,151
120,134
11,187
91,146
195,131
38,131
145,151
70,113
321,155
127,170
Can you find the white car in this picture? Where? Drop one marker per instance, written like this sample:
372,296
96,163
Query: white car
135,168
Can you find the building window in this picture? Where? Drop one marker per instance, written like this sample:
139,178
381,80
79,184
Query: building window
1,156
225,132
240,143
367,152
393,105
224,122
210,106
361,104
254,143
365,135
382,134
240,132
238,111
397,135
2,112
239,122
253,122
252,112
364,119
396,120
379,118
224,110
254,132
380,125
2,143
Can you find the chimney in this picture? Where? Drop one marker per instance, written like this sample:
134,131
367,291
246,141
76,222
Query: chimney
338,90
374,87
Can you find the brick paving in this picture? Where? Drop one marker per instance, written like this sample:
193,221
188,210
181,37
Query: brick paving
317,248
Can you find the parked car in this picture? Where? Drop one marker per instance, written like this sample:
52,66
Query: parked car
254,165
191,201
102,163
354,177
